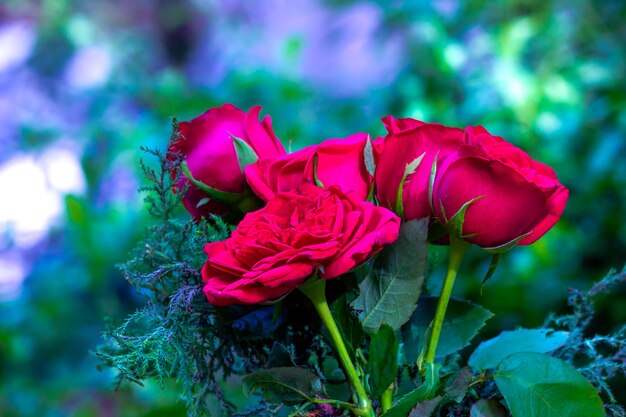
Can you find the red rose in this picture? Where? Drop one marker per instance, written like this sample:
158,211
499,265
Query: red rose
276,249
516,195
408,139
207,147
340,162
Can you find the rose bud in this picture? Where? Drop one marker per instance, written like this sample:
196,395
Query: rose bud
299,233
215,147
340,162
501,195
410,142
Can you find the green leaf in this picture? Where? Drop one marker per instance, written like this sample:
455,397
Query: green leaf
489,353
423,392
279,357
487,408
409,169
538,385
382,364
245,153
348,324
388,294
283,385
462,322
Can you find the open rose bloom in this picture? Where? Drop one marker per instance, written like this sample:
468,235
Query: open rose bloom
310,230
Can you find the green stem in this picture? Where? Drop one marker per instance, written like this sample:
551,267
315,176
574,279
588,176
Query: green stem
315,290
457,249
385,398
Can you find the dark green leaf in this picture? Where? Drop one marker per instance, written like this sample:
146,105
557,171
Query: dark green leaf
426,408
459,386
538,385
279,357
455,392
382,364
491,352
462,322
423,392
487,408
389,293
348,324
288,385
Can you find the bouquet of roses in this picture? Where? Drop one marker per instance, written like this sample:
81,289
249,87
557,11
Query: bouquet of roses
300,277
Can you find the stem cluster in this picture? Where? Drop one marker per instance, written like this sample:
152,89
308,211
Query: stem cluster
315,290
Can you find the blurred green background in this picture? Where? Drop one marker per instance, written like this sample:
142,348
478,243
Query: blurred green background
84,84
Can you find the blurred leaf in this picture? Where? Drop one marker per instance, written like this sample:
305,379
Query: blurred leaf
487,408
279,357
459,386
426,408
288,385
489,353
389,293
538,385
76,209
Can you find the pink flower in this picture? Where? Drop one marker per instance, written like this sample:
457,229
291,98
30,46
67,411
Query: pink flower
298,233
517,198
340,162
207,147
408,139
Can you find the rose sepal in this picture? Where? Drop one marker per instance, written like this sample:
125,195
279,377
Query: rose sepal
245,153
508,245
370,165
214,194
454,225
409,169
